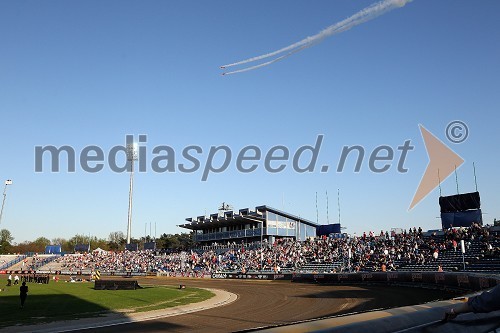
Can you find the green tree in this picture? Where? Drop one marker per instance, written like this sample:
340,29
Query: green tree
65,246
98,243
186,241
39,244
23,247
177,242
5,241
78,239
116,241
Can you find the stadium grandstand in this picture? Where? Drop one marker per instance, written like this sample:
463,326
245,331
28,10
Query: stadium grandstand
270,240
412,250
246,225
9,260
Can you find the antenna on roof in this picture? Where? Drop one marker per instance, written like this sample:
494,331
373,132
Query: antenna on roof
317,214
225,207
327,219
439,182
338,202
475,178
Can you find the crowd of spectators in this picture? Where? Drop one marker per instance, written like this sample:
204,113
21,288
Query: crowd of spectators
137,261
34,262
368,252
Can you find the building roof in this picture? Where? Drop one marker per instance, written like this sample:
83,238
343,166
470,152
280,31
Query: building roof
228,218
291,216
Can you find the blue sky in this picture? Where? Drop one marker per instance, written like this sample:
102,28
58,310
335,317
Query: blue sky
85,73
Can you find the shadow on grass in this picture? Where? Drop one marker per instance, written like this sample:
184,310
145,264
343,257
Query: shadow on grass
46,308
41,309
48,303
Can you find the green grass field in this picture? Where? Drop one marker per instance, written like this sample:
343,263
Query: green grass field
64,300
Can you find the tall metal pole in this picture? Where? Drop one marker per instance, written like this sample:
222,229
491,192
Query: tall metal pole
338,202
317,214
327,218
131,157
130,193
462,245
349,254
7,182
475,178
439,180
261,251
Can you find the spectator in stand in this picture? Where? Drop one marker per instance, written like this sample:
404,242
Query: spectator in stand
364,253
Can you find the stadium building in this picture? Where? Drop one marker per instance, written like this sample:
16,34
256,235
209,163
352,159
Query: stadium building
248,226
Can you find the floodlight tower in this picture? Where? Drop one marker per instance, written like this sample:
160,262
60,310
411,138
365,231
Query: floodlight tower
131,158
7,182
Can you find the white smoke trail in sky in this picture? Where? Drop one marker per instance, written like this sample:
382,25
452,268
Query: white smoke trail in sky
362,16
274,60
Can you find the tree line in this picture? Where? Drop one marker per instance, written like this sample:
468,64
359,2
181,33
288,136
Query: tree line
116,241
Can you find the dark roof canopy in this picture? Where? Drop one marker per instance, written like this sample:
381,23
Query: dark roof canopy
245,215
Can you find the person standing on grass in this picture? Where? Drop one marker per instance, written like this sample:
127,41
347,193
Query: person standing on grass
23,293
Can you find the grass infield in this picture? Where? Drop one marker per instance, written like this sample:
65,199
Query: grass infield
64,301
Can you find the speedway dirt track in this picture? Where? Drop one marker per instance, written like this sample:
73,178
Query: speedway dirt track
268,303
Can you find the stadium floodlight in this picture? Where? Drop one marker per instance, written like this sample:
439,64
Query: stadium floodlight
131,158
7,182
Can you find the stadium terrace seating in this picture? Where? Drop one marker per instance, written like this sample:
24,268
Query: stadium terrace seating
411,251
322,267
57,265
485,265
8,260
451,260
33,262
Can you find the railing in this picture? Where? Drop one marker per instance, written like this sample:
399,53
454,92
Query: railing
223,247
225,235
89,271
13,262
45,261
415,318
